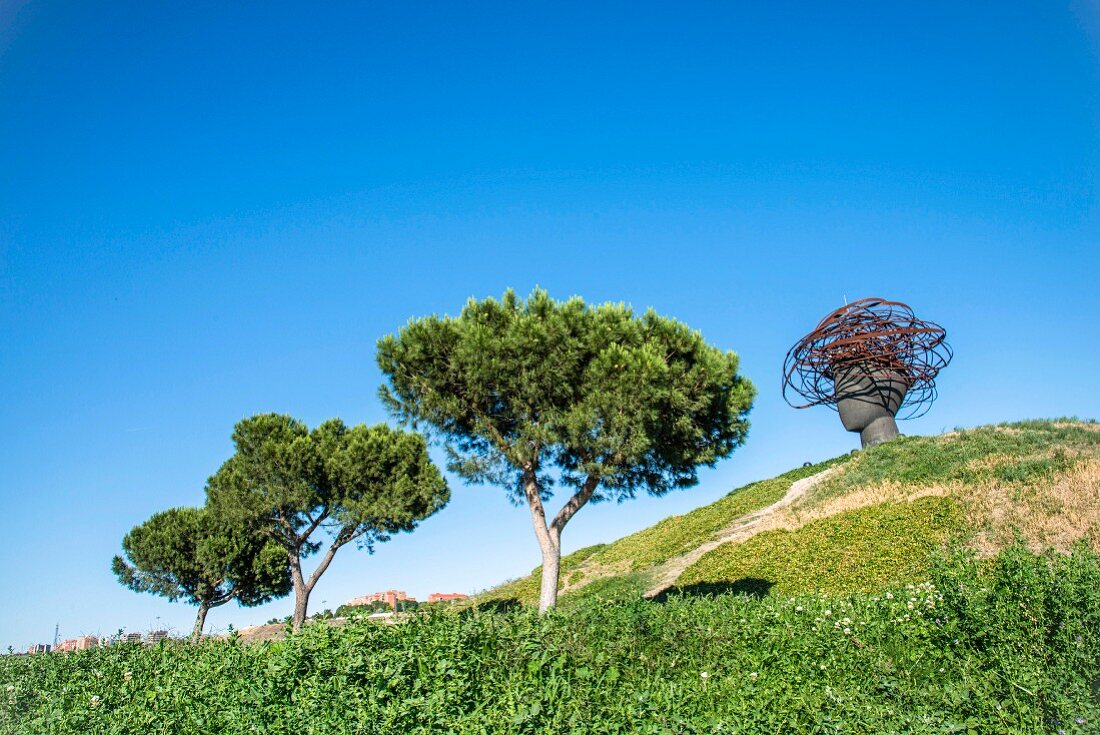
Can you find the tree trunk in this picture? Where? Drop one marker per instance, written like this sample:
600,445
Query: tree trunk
303,587
301,602
551,570
549,535
200,621
301,593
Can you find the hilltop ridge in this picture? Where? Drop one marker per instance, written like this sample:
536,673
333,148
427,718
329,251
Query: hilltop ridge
857,522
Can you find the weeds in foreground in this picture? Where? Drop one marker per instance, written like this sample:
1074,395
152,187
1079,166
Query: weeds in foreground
1008,645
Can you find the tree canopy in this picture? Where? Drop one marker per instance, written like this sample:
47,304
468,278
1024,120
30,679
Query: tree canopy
531,393
190,554
299,487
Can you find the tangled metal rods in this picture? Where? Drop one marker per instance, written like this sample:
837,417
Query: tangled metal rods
879,335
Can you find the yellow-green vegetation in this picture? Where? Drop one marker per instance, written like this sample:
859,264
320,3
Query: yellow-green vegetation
622,569
872,522
680,534
863,549
526,589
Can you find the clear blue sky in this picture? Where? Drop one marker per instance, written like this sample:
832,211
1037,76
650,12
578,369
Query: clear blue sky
208,212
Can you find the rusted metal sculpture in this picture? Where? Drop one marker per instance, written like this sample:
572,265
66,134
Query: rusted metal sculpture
872,360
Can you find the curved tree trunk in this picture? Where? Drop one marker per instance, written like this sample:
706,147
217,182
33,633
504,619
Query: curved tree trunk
200,621
301,603
551,570
303,587
301,593
549,535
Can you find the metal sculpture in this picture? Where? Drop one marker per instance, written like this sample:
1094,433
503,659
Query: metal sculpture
872,360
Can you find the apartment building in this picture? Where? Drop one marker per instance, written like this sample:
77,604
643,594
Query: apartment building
390,597
446,597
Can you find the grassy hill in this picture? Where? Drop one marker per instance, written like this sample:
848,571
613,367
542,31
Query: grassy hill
878,634
859,522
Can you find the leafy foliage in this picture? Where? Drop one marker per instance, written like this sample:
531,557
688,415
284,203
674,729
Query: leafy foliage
357,483
590,390
1006,646
193,555
526,394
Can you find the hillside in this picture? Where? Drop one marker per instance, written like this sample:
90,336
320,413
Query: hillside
859,522
1004,644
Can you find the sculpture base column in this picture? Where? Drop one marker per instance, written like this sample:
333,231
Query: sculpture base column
882,429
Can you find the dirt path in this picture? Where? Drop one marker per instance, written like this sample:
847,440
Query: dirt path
744,527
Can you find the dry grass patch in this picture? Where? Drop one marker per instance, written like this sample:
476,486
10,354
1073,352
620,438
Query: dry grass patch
1055,514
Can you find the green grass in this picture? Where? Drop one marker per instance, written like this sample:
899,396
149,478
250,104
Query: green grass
599,567
1010,646
1031,451
680,534
525,590
893,541
859,550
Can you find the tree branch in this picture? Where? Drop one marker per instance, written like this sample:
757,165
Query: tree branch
302,538
575,503
325,561
534,503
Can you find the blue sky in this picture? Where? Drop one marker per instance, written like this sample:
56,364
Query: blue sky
208,212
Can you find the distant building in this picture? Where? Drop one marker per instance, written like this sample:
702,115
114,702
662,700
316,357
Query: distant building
155,636
39,648
446,597
129,638
83,643
65,646
390,597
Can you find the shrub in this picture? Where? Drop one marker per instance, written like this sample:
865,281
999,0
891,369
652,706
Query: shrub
1010,645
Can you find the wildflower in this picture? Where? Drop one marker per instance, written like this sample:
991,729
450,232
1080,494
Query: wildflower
799,609
1080,720
10,687
703,675
827,613
127,676
889,595
822,667
846,621
753,676
95,700
847,631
